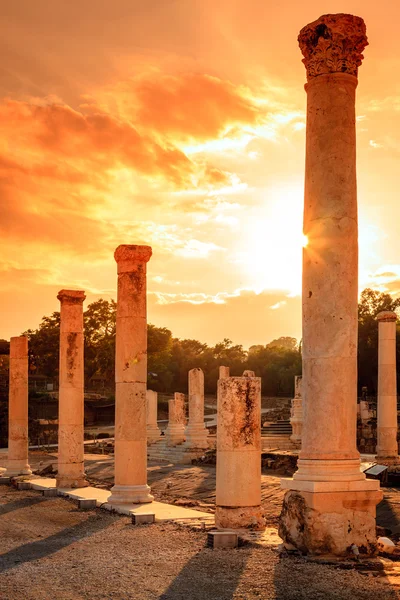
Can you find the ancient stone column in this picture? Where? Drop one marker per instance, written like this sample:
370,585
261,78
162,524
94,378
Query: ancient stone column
387,449
223,372
131,378
296,413
195,432
330,505
153,431
17,458
175,432
238,492
71,471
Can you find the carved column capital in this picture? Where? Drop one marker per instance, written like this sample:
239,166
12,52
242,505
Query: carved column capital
333,44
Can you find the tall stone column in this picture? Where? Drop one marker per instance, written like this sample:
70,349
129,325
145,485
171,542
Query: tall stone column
195,432
387,451
71,470
238,491
153,430
296,413
330,505
131,377
17,461
175,432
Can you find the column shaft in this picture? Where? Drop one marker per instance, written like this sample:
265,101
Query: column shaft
387,448
196,433
175,432
153,431
131,377
71,471
238,492
17,463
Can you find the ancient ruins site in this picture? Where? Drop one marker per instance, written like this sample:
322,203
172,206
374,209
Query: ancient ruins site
135,464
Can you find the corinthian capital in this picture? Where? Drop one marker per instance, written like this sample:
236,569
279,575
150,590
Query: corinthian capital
333,44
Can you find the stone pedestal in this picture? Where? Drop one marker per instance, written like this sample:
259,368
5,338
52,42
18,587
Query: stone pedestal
17,462
196,433
153,431
131,378
296,413
330,505
238,492
175,432
71,470
387,448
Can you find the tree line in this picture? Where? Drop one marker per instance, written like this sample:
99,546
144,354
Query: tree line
170,358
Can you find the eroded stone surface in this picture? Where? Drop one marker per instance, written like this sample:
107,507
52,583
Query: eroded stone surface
238,492
329,523
333,44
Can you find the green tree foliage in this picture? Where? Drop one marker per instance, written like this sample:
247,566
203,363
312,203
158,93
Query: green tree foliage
43,346
372,303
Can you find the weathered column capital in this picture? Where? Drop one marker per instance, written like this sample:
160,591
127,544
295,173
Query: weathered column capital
128,256
386,315
19,347
71,296
333,44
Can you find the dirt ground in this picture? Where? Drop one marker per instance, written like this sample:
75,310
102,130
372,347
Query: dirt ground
51,551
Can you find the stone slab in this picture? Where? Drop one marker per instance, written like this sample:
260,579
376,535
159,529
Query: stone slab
363,485
162,511
143,519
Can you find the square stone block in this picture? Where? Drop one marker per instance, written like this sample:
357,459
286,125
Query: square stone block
87,503
143,518
23,485
5,480
222,539
50,493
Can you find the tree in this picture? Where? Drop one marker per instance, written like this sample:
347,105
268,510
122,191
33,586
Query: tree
44,346
290,343
99,331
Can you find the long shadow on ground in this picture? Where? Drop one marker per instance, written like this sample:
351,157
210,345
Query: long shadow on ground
202,577
54,543
22,503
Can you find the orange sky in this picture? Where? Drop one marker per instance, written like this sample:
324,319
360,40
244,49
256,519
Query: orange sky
179,124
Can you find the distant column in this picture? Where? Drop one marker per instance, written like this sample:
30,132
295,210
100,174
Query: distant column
387,448
175,432
17,463
296,418
196,433
248,373
224,372
153,431
131,378
71,471
238,492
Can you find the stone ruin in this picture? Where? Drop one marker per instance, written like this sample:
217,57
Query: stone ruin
329,506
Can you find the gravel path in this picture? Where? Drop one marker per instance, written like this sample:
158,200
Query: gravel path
51,551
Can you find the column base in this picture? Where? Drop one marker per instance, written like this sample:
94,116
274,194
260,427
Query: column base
313,469
130,494
392,462
328,517
17,467
237,517
175,434
67,483
196,438
153,434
